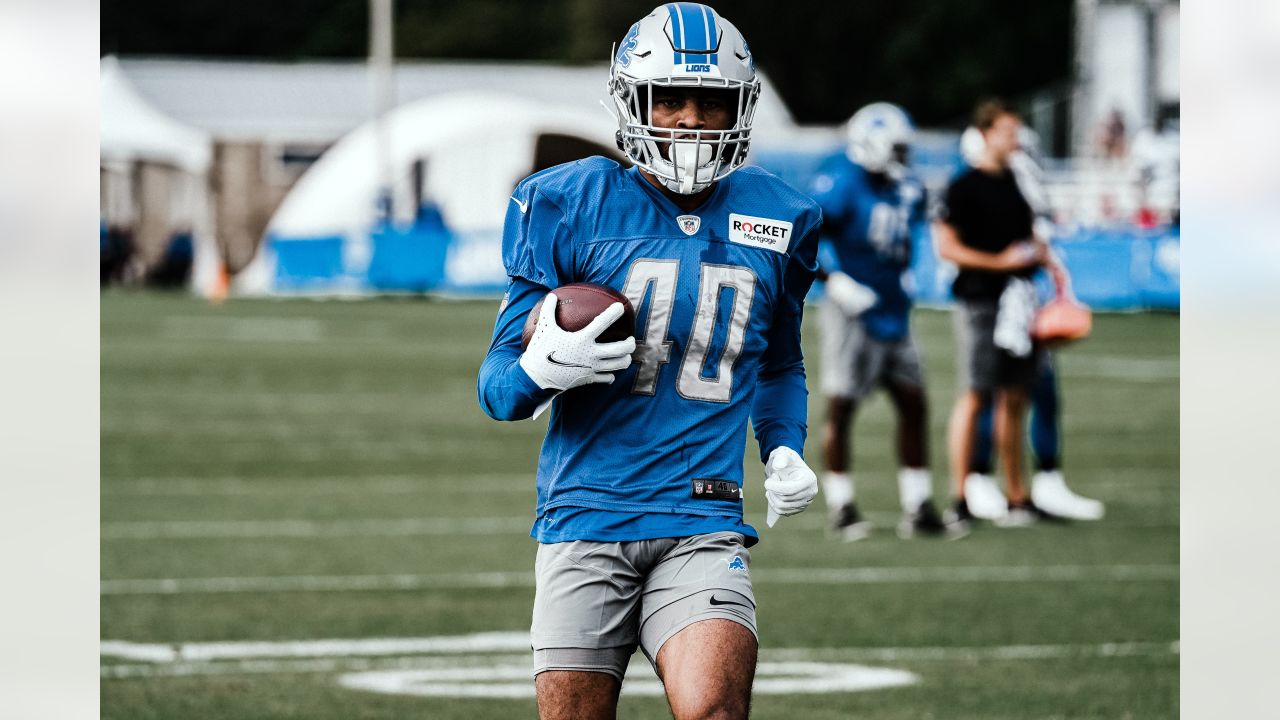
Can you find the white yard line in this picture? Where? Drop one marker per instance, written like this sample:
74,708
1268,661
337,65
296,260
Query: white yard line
405,664
409,527
315,583
375,527
311,485
810,576
363,647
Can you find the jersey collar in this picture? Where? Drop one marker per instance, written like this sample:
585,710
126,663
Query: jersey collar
669,207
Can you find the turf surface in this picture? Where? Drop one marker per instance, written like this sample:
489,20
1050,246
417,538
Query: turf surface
260,442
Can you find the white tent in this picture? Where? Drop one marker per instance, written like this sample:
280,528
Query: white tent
133,129
475,147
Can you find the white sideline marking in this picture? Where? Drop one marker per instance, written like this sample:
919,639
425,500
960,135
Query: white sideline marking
312,485
809,576
519,642
469,666
394,527
192,652
375,527
1012,573
315,583
974,654
1161,479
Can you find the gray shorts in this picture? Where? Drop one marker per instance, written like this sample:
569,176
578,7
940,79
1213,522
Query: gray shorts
980,364
596,601
854,364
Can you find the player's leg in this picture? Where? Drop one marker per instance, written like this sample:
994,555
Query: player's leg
915,484
1011,413
912,433
1049,491
978,363
699,626
904,382
841,349
707,669
960,433
586,615
838,481
835,434
1045,435
1017,377
569,695
982,460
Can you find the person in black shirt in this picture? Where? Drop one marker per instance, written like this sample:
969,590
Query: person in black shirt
985,228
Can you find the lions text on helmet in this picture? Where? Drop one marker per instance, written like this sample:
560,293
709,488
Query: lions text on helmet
684,52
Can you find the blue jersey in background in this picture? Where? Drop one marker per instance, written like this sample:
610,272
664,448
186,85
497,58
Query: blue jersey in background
868,223
718,294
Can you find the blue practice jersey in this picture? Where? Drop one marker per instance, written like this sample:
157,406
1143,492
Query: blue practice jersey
718,295
868,223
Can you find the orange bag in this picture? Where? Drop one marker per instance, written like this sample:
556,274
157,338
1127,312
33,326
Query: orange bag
1062,320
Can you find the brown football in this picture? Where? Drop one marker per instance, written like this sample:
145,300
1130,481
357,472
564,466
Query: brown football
579,304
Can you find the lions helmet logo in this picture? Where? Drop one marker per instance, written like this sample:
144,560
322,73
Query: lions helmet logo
628,44
737,565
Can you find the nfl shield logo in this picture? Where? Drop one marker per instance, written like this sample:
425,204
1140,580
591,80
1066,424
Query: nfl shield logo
689,223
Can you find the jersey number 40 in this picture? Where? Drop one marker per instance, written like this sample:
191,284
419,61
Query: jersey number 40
657,279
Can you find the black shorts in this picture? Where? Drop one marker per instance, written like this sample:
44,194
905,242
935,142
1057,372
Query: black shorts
980,364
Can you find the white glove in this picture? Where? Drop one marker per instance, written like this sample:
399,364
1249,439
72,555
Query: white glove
789,484
563,360
852,297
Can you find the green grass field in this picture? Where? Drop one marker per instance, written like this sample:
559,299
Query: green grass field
293,471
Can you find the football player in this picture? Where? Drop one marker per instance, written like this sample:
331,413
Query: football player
871,210
639,520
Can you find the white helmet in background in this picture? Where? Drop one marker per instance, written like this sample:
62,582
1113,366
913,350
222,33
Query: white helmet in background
972,146
879,136
683,45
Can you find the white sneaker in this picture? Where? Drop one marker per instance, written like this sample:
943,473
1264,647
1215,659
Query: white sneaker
984,497
1050,493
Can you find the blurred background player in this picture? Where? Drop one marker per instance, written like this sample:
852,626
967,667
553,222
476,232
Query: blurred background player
871,209
985,228
1049,491
640,527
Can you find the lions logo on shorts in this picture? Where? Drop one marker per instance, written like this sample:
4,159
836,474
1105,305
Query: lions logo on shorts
736,565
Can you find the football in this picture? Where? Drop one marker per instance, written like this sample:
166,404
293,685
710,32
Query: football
580,303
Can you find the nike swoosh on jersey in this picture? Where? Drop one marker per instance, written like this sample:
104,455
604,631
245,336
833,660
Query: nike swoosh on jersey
551,359
524,206
714,601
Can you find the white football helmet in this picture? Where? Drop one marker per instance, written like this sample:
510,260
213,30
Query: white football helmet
879,135
683,45
972,146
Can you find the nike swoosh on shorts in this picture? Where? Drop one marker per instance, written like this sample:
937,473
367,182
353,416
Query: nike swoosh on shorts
714,601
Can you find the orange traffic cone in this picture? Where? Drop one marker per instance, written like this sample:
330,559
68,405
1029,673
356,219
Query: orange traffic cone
221,285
